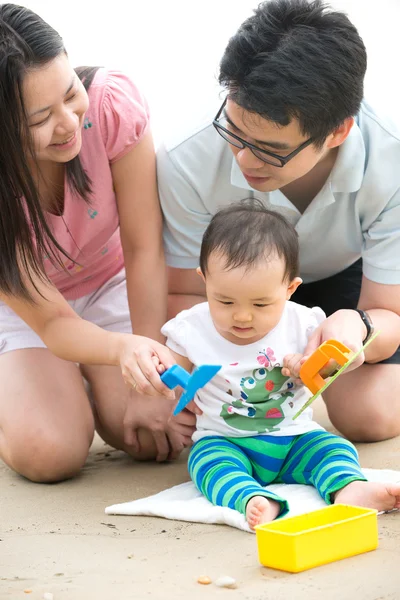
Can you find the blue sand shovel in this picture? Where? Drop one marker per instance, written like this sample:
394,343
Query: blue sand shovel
176,375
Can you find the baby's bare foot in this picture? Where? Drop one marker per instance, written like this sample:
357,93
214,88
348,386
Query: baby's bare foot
382,496
260,510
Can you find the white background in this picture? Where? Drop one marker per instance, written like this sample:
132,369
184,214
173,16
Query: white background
171,48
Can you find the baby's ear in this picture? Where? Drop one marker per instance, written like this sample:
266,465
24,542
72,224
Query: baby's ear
294,284
200,272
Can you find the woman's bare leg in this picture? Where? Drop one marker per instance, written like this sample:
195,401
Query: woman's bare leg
46,421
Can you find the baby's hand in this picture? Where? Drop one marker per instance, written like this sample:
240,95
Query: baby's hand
293,362
158,365
291,366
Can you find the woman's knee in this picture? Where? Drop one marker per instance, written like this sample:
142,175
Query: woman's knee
48,457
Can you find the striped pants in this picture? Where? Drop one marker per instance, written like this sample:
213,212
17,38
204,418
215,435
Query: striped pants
230,471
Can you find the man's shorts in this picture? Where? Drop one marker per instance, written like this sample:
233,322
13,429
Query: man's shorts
107,307
339,291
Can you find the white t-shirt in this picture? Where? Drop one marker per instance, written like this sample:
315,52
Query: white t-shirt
249,395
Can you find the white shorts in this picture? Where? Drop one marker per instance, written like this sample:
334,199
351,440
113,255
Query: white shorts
107,307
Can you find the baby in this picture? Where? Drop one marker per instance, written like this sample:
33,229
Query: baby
246,437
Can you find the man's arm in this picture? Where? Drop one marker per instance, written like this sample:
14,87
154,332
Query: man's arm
380,287
185,215
185,220
380,291
383,305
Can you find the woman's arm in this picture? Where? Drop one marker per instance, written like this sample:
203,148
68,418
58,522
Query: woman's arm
71,338
134,177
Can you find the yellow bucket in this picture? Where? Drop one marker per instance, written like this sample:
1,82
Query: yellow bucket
298,543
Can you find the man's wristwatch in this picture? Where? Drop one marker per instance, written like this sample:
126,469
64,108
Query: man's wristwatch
366,319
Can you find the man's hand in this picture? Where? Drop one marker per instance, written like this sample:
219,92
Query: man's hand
344,326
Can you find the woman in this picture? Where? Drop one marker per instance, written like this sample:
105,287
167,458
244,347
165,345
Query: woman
78,210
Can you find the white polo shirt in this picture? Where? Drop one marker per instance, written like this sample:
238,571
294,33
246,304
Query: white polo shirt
356,214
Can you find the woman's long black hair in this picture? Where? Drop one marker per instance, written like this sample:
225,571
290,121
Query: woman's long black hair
26,42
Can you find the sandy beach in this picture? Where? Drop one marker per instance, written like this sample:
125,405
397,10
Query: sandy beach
56,539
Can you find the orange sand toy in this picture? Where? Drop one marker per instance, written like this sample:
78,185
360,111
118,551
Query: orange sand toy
310,370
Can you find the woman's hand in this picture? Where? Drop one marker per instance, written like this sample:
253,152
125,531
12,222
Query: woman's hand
179,431
170,434
142,360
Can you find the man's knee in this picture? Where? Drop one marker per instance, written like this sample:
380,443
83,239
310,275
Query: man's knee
372,427
363,404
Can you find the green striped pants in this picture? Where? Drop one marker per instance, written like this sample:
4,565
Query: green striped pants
230,471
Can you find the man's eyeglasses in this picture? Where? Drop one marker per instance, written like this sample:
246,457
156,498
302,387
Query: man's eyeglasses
264,155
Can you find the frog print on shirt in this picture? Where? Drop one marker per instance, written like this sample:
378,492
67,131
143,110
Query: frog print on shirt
259,408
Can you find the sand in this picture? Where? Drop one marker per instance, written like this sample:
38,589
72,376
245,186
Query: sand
56,539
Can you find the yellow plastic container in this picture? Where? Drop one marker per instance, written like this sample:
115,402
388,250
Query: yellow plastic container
316,538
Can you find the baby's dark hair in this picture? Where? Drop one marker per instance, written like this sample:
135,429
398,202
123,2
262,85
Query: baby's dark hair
246,233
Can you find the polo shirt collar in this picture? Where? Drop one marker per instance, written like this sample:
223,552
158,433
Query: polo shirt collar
348,171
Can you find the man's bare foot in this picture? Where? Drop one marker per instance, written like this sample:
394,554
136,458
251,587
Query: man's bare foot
382,496
260,510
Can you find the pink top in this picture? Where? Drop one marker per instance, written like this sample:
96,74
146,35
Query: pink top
116,120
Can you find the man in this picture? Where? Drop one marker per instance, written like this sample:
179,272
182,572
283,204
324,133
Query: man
295,133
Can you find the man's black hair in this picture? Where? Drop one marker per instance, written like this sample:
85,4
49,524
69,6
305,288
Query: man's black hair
295,59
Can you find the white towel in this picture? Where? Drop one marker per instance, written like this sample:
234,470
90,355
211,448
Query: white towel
185,503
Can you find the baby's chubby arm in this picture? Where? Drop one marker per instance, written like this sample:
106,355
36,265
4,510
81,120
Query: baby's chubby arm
182,361
291,366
